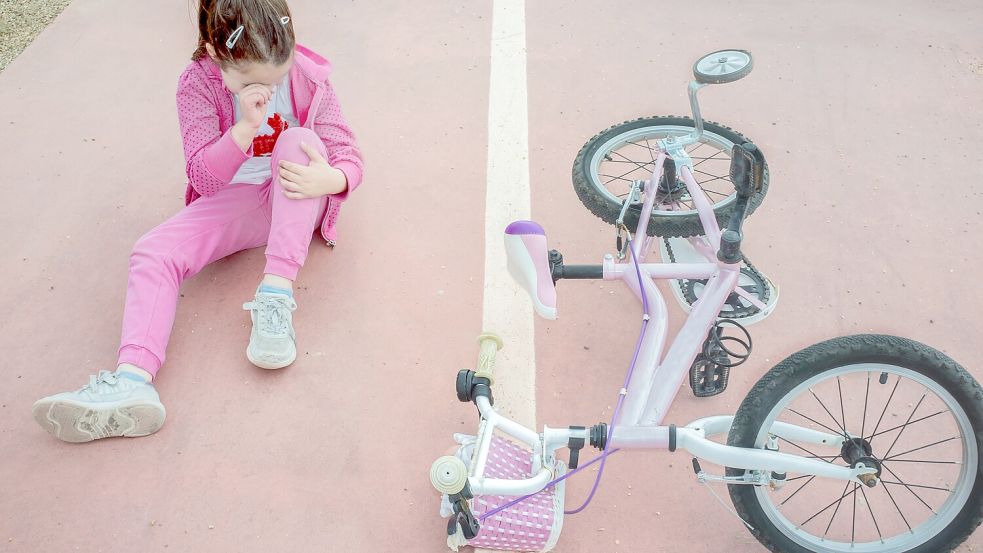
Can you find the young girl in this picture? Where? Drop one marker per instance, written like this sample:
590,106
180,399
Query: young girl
270,159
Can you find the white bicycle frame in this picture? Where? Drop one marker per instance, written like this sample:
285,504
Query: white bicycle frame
657,377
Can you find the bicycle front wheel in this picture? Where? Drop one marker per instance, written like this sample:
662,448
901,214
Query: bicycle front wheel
902,407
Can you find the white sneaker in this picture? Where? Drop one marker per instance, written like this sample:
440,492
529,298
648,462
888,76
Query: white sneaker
272,342
109,405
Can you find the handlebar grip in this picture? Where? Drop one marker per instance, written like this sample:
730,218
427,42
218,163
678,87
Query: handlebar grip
489,345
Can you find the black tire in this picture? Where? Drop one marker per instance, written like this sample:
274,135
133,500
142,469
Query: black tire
840,352
660,223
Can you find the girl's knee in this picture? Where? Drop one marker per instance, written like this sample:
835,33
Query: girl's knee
297,133
157,249
147,243
288,148
292,137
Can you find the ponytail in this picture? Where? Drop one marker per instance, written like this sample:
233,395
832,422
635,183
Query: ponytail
204,9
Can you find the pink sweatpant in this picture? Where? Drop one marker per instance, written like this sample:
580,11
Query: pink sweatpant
240,217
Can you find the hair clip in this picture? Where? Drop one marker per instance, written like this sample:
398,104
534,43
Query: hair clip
234,37
284,20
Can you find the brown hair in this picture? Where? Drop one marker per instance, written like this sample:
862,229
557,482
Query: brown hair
264,37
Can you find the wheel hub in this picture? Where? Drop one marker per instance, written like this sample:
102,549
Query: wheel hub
858,450
854,449
670,191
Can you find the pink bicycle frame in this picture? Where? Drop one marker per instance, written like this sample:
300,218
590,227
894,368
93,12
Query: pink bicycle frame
647,403
658,374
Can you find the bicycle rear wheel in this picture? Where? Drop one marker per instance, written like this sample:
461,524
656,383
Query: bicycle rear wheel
901,406
607,164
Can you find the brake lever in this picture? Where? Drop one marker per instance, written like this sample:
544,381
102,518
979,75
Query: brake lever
465,518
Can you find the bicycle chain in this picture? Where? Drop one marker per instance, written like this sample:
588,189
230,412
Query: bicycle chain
686,286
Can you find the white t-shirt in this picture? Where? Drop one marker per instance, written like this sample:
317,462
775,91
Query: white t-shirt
279,117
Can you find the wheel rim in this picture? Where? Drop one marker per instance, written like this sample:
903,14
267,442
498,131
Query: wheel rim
924,441
726,62
631,155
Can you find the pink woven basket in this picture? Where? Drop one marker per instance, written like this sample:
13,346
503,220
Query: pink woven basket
532,525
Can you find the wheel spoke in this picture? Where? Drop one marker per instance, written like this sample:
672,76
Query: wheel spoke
626,158
839,387
837,509
900,432
885,406
922,447
853,531
683,203
701,183
826,508
614,178
714,156
709,174
636,163
622,175
863,424
843,430
706,158
811,478
922,461
706,195
807,451
896,505
697,147
649,146
916,486
907,487
910,423
871,509
815,421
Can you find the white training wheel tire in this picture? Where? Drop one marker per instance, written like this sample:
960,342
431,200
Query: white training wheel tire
723,66
448,474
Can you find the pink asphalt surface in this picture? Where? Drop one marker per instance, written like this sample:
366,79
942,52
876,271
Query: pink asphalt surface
870,118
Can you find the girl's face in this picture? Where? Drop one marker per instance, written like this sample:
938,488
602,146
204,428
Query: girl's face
237,77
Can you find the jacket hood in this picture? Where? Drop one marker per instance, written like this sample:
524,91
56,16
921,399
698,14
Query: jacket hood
311,63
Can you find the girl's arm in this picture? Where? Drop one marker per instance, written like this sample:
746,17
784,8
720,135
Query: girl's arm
212,158
339,140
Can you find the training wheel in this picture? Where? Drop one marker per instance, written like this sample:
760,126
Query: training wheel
448,474
723,66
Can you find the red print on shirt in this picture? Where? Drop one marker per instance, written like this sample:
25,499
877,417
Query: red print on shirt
263,145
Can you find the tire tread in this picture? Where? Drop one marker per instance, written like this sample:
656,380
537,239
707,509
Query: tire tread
862,348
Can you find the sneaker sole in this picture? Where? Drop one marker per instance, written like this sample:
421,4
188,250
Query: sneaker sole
270,365
77,422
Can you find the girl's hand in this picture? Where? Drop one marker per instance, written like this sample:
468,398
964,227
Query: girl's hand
316,179
252,101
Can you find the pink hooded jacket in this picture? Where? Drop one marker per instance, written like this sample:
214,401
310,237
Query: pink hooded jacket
206,115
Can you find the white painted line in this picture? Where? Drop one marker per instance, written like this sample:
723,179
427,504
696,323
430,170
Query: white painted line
507,310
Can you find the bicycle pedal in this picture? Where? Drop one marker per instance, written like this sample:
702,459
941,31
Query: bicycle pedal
707,378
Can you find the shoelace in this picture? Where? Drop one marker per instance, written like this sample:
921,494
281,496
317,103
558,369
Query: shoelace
99,382
273,313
